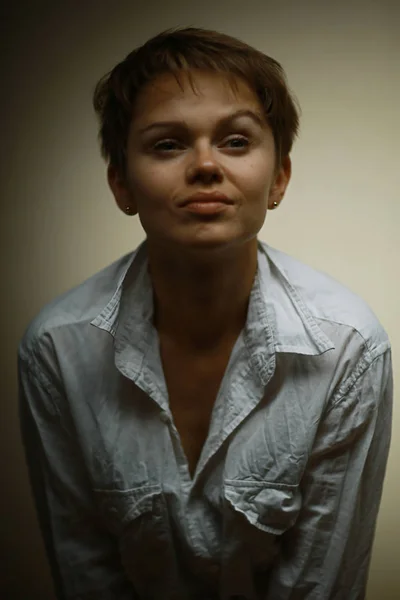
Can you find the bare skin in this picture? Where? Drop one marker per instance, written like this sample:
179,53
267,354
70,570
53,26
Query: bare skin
202,269
193,385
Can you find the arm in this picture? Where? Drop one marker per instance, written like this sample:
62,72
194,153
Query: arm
326,554
83,557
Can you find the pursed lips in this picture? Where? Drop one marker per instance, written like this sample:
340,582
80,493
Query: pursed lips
207,197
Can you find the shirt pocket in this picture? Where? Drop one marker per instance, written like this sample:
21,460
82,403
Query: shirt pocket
269,507
255,517
119,508
138,518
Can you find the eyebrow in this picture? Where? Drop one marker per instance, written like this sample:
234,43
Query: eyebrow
255,116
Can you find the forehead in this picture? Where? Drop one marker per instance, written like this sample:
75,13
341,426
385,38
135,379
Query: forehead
204,87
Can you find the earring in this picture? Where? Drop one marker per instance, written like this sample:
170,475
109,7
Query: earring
274,205
128,209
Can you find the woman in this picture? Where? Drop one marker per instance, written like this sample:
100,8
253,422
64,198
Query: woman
207,417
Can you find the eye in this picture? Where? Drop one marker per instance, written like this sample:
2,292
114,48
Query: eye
239,139
161,145
165,145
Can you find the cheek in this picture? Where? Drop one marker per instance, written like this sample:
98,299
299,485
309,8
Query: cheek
254,175
255,182
151,183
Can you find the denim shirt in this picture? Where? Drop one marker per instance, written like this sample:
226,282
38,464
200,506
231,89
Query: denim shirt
284,499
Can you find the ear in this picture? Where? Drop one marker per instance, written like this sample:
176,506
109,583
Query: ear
281,181
120,190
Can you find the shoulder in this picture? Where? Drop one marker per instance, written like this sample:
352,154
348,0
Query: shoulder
329,301
72,309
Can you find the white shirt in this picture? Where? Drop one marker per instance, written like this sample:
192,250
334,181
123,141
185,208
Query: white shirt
285,496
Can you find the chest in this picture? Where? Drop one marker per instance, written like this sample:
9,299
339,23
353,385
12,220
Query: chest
193,385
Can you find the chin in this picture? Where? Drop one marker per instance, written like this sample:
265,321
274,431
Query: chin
213,243
205,237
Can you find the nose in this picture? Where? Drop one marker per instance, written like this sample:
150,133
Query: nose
204,166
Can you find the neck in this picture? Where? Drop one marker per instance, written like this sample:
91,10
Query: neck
201,302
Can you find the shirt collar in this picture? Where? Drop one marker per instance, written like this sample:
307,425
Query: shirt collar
295,328
279,319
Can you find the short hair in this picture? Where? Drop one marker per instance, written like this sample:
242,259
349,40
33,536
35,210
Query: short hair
179,50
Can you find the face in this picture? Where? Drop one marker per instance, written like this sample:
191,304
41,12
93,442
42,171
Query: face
202,151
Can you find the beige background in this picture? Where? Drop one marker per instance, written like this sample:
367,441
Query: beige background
59,223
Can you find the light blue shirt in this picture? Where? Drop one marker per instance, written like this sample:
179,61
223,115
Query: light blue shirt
285,496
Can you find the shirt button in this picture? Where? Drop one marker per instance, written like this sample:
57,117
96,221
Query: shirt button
164,417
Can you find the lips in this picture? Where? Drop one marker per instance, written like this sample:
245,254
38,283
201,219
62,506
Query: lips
207,197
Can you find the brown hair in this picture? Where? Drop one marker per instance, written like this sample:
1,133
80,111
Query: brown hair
180,50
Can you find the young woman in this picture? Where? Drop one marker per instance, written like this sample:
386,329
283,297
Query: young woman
207,417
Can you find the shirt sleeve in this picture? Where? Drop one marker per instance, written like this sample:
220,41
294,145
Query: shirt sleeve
83,556
326,554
